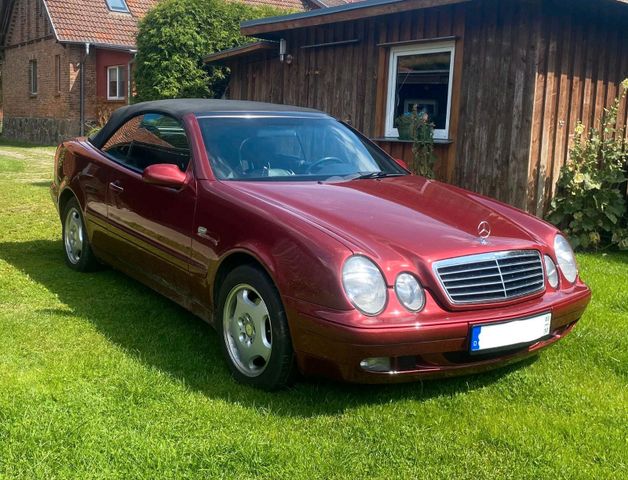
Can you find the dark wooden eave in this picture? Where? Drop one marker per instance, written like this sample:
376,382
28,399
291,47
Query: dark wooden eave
271,27
240,51
370,8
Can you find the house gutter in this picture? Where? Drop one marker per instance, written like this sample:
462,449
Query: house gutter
104,46
128,75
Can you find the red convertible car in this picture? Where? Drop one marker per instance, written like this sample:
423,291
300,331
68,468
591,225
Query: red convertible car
308,248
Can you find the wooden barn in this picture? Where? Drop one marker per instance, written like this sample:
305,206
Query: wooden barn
503,81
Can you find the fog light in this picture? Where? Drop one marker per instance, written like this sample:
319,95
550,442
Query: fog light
376,364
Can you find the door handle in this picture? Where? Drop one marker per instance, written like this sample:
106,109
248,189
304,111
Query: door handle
116,187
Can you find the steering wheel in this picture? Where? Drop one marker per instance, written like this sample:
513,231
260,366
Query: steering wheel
322,161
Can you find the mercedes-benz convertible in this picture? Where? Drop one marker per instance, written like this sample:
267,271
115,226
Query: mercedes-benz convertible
308,248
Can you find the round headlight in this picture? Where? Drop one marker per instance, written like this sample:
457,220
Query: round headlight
566,259
364,285
551,272
409,292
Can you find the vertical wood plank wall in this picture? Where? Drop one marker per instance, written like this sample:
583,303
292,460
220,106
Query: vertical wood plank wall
497,91
349,81
340,80
582,57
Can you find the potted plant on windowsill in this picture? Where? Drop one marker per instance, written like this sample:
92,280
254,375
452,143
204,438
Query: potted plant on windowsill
404,124
423,144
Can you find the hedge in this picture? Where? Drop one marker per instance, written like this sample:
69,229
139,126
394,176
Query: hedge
174,37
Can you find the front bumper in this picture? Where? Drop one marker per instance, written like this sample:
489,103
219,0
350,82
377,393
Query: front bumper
327,342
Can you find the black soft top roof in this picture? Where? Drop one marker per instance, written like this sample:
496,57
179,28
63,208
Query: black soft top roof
197,106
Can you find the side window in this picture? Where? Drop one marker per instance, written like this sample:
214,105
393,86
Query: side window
149,139
116,83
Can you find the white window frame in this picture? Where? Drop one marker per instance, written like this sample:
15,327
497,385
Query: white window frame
119,84
417,49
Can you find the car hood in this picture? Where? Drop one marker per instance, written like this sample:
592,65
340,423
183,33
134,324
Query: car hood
409,216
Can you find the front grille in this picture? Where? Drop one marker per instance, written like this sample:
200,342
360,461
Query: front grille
491,277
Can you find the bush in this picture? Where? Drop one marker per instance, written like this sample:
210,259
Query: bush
174,37
423,157
590,202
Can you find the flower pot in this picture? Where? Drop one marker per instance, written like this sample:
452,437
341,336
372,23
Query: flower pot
405,132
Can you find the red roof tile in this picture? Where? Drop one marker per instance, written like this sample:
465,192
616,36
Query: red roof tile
91,21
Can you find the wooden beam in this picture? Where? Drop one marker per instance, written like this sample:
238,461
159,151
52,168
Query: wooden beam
240,51
331,44
458,27
322,17
382,79
417,41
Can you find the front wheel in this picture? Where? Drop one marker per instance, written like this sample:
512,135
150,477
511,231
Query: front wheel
253,330
78,253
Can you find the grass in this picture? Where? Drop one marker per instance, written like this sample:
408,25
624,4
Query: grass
102,378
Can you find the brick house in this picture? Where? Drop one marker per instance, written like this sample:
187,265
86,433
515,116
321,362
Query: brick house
65,63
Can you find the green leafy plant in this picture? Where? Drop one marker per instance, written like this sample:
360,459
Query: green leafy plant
174,37
404,124
405,120
590,201
423,157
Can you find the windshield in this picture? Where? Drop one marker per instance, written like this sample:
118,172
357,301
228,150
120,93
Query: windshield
290,149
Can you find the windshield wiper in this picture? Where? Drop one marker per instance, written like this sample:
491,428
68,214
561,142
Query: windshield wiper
364,176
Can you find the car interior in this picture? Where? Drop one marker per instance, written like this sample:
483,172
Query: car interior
279,151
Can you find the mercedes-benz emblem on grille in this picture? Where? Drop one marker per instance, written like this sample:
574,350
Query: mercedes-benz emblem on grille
484,231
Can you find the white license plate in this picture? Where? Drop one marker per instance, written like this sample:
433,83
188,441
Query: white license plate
487,337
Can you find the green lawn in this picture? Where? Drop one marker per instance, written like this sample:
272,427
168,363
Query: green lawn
102,378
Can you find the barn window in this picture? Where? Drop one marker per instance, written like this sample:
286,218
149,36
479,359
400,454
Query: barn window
58,73
116,82
421,76
117,6
32,77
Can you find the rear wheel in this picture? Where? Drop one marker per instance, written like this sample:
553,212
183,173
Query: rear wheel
78,253
254,331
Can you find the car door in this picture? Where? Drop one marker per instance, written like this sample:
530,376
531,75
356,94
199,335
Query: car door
151,225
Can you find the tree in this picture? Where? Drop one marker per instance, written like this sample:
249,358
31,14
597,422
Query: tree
174,37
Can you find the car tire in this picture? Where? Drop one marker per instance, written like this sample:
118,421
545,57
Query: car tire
253,330
78,252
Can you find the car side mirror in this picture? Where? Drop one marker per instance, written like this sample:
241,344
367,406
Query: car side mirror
165,175
402,163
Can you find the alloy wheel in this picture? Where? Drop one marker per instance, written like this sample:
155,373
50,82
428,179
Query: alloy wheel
247,330
73,236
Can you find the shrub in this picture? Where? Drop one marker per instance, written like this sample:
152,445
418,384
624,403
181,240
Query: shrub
174,37
423,157
590,202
